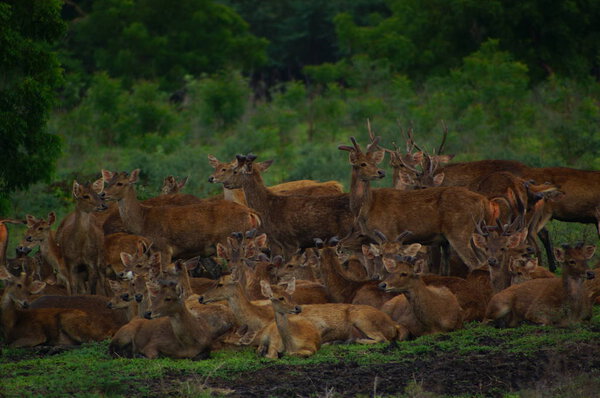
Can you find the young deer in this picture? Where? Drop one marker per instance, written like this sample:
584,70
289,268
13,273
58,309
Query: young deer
82,241
435,309
186,231
51,326
39,233
549,301
289,335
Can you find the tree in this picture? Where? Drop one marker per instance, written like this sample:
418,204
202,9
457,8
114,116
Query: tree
163,40
30,76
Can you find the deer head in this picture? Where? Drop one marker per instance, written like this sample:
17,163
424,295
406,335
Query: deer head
87,197
575,260
281,299
171,185
118,184
19,288
404,273
365,163
38,231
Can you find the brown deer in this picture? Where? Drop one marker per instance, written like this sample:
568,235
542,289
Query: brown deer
170,329
39,233
289,221
436,309
171,185
82,242
185,231
302,187
289,335
432,215
549,301
51,326
335,322
121,242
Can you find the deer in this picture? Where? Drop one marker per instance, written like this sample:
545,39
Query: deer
335,322
290,335
171,185
39,233
436,309
449,210
118,243
289,221
82,242
302,187
169,328
184,231
51,326
548,301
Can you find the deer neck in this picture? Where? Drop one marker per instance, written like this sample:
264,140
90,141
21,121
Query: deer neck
233,195
419,297
257,194
83,219
186,328
283,328
256,317
573,286
51,253
360,194
340,287
131,212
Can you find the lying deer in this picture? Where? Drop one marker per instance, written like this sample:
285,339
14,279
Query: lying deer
549,301
51,326
289,335
436,309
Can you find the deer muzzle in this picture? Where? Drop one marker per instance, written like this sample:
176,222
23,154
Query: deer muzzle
590,274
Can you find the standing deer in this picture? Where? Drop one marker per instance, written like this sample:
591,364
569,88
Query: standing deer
82,242
39,233
185,231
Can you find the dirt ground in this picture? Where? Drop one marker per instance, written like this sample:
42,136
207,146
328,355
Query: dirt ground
487,374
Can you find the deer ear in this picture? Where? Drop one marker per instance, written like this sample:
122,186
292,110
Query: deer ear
107,175
30,220
262,166
445,158
51,218
155,259
514,240
419,266
98,185
76,189
352,157
412,250
126,259
438,179
153,288
588,251
261,240
51,279
213,161
479,241
182,183
133,177
265,289
405,179
377,156
366,251
559,254
417,157
531,264
291,286
390,265
36,286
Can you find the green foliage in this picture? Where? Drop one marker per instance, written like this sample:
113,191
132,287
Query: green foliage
151,39
30,74
424,38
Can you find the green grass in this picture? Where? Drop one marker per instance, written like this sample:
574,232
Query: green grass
89,370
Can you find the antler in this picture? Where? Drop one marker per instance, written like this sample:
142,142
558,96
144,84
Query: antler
441,148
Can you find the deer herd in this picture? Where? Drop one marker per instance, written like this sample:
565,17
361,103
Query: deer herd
290,267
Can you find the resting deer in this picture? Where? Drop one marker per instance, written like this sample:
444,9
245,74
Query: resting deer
171,185
185,231
291,335
51,326
335,322
302,187
436,309
549,301
39,233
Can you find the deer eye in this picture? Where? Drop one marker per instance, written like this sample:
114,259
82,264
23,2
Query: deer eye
223,169
572,262
86,196
281,298
403,274
363,164
119,184
40,229
168,299
19,285
219,285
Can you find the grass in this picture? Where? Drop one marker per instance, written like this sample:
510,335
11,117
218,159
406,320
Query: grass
89,371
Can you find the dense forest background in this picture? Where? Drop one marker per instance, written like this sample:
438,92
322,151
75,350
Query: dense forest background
158,85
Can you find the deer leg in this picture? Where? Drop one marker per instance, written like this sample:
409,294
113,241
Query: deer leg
545,238
435,259
465,252
29,341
